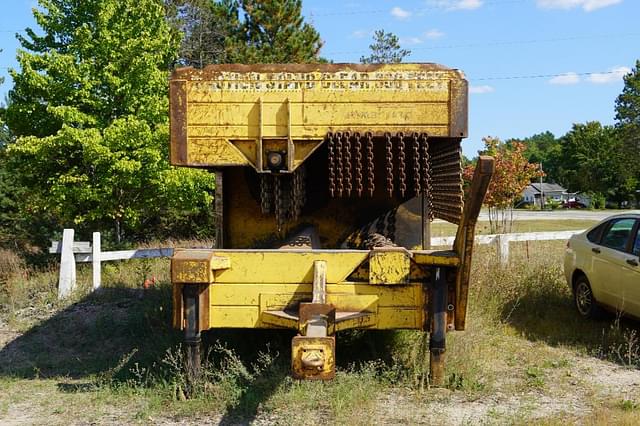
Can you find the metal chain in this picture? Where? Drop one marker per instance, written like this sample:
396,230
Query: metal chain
266,193
279,201
389,166
359,187
427,189
298,192
338,139
402,176
370,167
332,164
348,186
416,164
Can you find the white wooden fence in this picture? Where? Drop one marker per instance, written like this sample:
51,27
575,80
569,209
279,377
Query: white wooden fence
72,252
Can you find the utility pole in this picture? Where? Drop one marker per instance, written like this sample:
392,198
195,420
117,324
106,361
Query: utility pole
541,191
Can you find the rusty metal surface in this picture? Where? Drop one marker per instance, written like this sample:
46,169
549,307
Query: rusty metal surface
212,71
463,244
204,304
389,266
218,207
458,109
313,358
178,121
308,311
446,180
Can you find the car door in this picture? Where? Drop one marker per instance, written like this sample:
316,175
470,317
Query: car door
631,273
610,266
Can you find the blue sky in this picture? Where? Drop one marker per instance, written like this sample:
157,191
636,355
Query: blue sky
499,44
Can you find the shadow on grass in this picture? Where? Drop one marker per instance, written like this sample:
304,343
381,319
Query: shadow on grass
105,334
551,317
92,335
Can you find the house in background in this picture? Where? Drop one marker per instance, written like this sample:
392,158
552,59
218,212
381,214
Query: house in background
550,192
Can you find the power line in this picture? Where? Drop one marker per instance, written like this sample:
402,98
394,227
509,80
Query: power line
526,77
441,7
537,76
507,42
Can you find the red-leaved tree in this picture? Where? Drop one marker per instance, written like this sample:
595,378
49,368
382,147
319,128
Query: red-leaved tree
512,175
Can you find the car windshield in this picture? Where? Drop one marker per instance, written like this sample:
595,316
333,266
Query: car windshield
617,236
636,245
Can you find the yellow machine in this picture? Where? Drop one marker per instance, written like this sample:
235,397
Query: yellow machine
312,163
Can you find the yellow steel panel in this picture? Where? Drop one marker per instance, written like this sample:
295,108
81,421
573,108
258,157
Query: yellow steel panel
436,257
389,267
224,114
199,92
390,318
280,301
249,317
376,114
438,93
353,302
211,150
387,296
196,266
306,101
306,131
286,267
234,317
367,321
248,294
363,114
270,319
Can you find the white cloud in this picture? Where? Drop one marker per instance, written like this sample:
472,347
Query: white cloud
479,90
400,13
586,5
565,79
433,34
613,76
359,34
456,4
410,40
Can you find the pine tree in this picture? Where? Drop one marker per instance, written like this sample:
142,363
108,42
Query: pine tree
270,31
628,116
385,49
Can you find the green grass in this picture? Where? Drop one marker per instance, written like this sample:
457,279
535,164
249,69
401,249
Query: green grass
445,229
112,355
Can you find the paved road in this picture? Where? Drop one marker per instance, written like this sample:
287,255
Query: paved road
572,214
413,206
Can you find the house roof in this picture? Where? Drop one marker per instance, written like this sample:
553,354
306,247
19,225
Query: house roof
547,187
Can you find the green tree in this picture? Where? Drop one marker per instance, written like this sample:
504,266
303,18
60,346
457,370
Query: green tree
203,36
593,160
544,148
628,117
513,172
89,106
385,49
267,31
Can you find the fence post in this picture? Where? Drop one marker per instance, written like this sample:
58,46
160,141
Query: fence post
95,260
67,279
502,243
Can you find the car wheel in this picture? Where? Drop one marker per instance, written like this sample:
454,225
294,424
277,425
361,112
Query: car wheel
584,300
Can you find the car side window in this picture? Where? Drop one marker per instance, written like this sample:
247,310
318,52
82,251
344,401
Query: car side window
617,236
594,235
636,245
